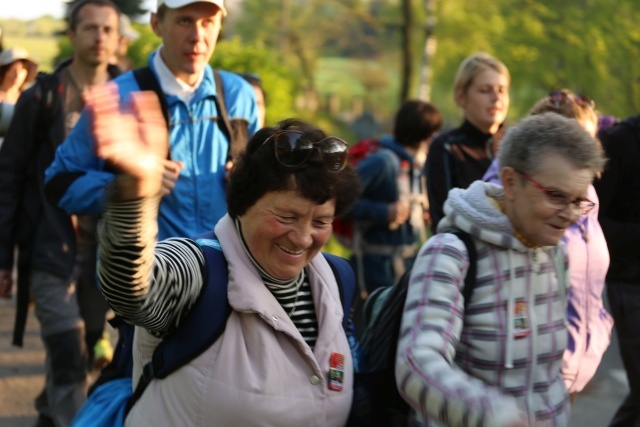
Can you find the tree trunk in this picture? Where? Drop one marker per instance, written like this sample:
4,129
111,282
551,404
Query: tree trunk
407,59
430,43
285,17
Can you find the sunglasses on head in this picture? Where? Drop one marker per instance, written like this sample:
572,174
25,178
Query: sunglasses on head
292,149
561,97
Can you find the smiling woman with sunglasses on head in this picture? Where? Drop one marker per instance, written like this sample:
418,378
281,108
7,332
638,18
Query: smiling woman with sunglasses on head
283,358
496,359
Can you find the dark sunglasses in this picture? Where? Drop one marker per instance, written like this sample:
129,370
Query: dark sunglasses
561,97
293,148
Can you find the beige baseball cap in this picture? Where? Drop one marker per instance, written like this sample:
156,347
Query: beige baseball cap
175,4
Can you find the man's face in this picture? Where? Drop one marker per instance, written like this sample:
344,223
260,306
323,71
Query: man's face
95,38
189,35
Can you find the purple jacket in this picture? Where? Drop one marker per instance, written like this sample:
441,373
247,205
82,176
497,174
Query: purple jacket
589,323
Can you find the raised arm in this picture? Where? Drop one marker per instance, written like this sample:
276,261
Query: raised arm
149,285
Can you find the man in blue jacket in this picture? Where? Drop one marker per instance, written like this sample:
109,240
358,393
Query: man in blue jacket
194,179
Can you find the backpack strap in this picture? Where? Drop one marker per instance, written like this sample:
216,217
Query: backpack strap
346,279
49,96
472,253
212,308
147,81
191,339
223,118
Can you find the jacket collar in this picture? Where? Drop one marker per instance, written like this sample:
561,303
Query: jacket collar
247,292
205,89
113,70
475,135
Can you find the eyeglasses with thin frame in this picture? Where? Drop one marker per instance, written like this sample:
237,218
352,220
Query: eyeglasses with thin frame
558,200
292,149
561,97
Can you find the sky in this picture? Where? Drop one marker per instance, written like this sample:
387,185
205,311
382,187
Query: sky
31,9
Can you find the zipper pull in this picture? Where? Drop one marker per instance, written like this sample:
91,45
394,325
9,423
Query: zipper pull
535,266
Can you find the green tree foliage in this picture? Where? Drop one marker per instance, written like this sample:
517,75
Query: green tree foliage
320,49
146,43
278,80
589,46
65,50
304,31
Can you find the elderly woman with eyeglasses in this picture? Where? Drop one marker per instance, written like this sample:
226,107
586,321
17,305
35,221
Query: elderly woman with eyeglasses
496,360
589,322
272,363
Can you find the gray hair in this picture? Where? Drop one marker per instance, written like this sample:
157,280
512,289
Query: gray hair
525,145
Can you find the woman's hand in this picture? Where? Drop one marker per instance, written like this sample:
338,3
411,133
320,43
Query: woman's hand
134,142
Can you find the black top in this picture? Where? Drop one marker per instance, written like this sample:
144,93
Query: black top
42,231
456,159
619,194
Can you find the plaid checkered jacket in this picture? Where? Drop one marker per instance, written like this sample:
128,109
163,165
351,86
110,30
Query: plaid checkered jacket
500,361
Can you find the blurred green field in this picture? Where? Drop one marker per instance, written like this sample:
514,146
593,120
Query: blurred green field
41,49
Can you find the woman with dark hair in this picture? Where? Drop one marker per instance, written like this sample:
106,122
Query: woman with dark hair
271,364
388,219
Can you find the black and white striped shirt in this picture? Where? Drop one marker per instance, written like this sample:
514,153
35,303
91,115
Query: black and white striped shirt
127,255
294,296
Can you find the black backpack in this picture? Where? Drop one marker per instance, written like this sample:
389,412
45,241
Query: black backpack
376,399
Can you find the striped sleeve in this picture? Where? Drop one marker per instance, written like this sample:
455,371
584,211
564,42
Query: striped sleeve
426,374
147,284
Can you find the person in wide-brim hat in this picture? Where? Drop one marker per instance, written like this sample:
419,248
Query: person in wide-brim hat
13,78
17,71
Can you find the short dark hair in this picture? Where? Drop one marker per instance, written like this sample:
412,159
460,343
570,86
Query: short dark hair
75,11
257,172
415,122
